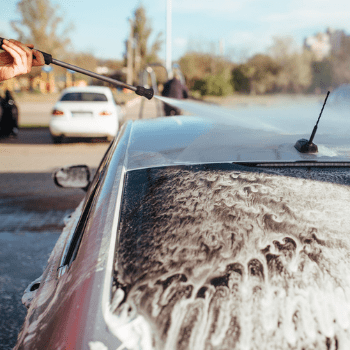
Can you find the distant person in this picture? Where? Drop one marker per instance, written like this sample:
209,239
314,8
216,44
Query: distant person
9,117
175,89
17,59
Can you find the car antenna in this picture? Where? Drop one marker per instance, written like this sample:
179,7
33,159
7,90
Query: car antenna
307,146
139,90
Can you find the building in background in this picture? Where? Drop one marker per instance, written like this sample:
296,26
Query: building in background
322,45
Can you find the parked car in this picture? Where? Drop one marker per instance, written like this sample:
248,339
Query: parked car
85,112
200,235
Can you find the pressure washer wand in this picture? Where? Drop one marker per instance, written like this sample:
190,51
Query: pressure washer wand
139,90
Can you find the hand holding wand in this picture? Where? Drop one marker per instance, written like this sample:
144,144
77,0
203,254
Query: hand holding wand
139,90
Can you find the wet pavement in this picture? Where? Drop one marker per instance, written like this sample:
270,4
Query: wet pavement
32,208
31,218
21,261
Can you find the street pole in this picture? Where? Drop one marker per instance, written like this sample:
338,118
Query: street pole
137,58
168,61
129,75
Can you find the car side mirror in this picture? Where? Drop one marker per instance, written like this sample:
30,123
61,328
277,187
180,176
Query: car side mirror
30,292
76,176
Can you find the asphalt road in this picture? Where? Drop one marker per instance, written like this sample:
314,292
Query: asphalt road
32,208
31,219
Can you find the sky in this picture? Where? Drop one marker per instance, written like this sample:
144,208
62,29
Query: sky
243,27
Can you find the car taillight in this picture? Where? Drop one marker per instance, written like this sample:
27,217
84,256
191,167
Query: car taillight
57,112
105,113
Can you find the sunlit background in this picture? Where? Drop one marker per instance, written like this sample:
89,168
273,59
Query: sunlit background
255,46
244,27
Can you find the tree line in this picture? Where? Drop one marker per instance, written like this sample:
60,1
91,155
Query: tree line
284,69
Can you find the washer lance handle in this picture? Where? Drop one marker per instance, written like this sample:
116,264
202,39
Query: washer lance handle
139,90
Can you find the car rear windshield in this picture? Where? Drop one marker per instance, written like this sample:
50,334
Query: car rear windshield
84,97
169,206
210,254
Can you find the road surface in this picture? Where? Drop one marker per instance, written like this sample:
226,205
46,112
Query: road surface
32,208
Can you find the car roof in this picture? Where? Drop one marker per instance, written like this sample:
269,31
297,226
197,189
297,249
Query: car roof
193,140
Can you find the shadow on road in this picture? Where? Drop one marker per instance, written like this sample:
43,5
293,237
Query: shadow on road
41,136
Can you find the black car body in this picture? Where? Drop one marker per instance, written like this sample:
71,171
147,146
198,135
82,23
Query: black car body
200,235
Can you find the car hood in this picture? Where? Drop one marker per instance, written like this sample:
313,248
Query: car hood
223,256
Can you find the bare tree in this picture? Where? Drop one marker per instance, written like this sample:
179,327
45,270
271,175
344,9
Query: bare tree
340,60
142,31
41,24
295,74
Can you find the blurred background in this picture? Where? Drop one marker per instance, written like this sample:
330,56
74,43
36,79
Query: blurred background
223,47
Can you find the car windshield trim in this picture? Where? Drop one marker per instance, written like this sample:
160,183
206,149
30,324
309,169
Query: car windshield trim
298,163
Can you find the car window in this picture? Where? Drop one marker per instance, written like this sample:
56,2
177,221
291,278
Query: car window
201,245
90,199
84,97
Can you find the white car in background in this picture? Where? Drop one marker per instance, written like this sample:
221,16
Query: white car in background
89,111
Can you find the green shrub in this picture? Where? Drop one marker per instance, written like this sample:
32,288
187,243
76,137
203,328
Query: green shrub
213,85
